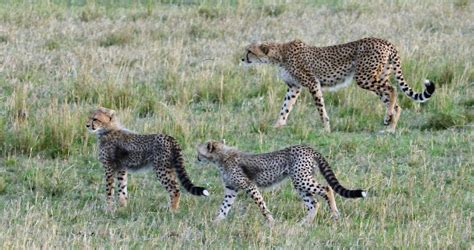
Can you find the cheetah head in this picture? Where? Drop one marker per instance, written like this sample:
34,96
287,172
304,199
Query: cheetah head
210,151
262,53
102,119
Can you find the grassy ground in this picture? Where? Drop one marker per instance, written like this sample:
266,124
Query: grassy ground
173,67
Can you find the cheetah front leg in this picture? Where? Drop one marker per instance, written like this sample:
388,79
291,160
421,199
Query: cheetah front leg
257,197
316,92
290,99
109,187
122,187
229,197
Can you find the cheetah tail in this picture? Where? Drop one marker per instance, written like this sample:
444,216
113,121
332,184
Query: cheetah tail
330,177
178,163
417,97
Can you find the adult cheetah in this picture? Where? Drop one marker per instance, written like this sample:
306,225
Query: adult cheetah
369,61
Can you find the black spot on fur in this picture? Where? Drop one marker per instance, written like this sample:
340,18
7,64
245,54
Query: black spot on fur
250,173
120,153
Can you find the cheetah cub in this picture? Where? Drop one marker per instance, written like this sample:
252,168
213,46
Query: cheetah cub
246,171
121,150
369,61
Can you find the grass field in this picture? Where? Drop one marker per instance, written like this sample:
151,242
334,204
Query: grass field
172,66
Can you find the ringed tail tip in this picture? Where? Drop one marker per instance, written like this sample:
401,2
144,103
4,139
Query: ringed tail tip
205,192
364,194
430,86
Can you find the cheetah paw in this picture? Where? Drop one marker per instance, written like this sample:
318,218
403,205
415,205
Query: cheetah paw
218,219
279,124
270,221
327,129
387,131
109,208
335,216
387,119
306,221
123,202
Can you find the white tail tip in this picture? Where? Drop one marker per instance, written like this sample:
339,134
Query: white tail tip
364,194
205,192
427,82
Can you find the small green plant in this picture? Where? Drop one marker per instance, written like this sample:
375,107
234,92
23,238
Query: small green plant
52,45
89,14
274,10
3,38
469,103
441,120
3,185
207,12
146,107
119,38
462,4
199,32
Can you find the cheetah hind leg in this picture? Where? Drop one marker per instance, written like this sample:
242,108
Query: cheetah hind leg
392,114
312,206
394,119
168,179
325,192
332,202
391,120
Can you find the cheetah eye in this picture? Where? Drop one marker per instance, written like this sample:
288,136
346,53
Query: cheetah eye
94,119
209,147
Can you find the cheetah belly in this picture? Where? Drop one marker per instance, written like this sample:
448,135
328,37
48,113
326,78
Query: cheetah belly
288,78
141,168
346,81
138,161
270,179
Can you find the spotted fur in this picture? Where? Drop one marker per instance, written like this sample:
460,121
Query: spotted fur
369,61
246,171
121,150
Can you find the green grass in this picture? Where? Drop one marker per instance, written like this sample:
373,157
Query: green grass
173,67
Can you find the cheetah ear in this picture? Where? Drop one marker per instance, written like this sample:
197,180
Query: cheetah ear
112,115
109,112
298,41
210,147
264,48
